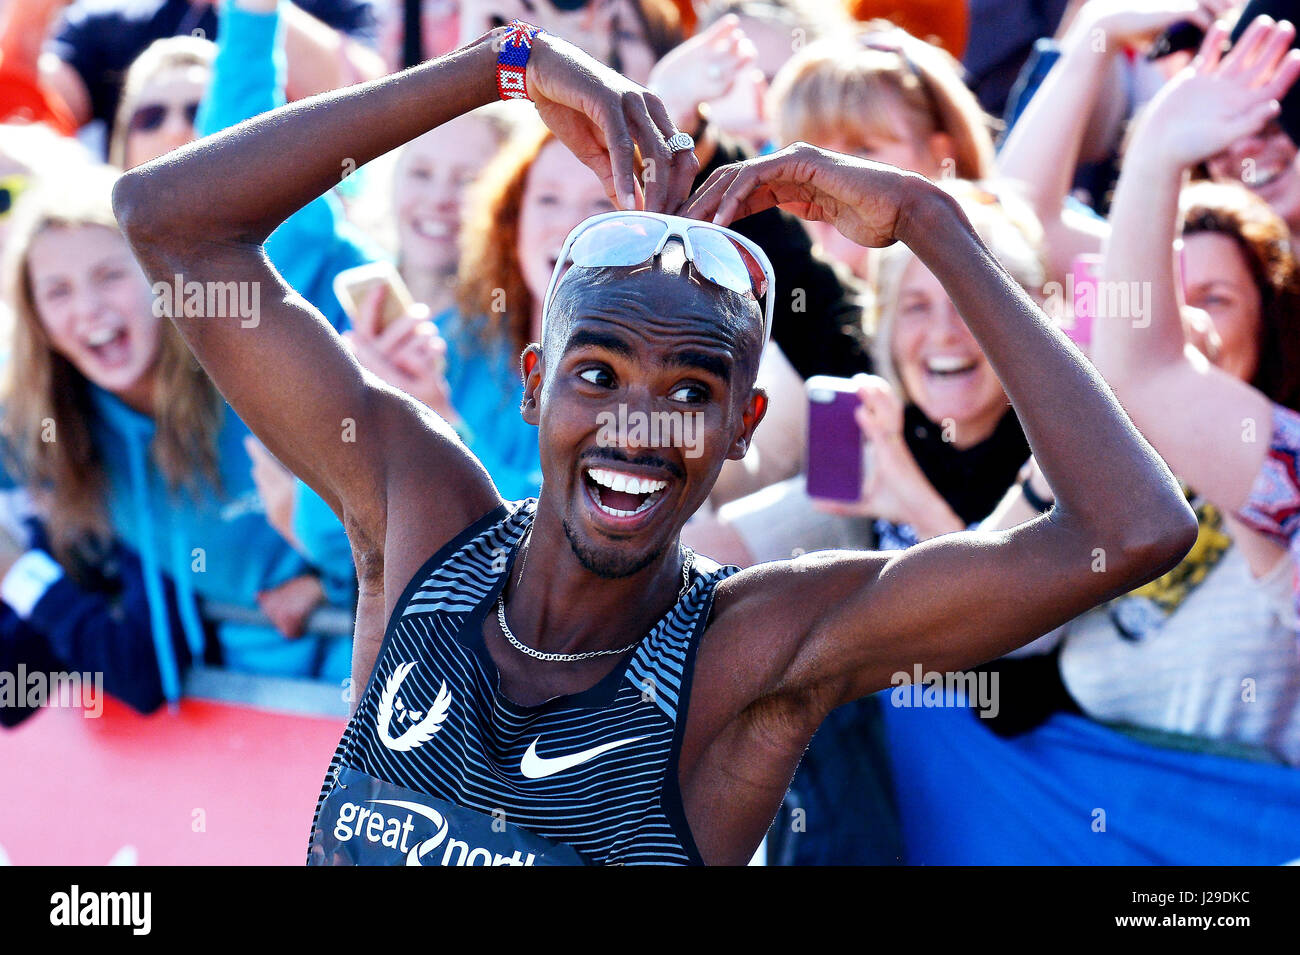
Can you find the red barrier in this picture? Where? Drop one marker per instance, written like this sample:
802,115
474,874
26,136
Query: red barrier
212,784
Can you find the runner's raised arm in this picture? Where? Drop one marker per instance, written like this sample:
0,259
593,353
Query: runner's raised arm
203,211
959,599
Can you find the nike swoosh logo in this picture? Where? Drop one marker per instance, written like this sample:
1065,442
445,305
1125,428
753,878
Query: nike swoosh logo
539,767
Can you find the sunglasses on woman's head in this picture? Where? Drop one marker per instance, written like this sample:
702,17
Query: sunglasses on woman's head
718,254
147,119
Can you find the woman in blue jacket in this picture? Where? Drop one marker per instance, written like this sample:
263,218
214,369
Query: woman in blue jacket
122,439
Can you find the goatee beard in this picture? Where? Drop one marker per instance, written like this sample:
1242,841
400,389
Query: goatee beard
603,564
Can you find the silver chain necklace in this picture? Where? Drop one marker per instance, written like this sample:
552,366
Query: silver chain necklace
571,657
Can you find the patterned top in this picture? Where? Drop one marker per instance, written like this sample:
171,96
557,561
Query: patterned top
596,771
1273,507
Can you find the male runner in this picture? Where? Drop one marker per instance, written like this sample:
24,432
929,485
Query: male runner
560,681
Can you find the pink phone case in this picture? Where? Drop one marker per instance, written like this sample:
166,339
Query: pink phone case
834,439
1085,271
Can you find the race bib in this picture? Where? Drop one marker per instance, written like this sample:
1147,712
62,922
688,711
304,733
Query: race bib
366,821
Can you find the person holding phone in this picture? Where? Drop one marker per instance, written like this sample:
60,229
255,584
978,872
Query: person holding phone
937,441
930,449
1172,655
942,442
631,702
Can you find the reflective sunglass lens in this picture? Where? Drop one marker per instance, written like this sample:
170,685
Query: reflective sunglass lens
719,261
627,240
756,274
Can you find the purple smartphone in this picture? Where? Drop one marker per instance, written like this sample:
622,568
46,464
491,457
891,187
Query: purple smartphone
1084,273
834,439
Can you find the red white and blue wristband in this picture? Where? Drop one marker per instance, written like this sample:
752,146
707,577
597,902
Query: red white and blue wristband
512,60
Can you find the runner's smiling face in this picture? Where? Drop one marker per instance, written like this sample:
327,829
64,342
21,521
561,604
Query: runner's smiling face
643,390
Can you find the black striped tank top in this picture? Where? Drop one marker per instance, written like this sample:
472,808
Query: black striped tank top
594,773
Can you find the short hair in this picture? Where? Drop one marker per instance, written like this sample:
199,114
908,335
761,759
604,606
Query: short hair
734,308
838,86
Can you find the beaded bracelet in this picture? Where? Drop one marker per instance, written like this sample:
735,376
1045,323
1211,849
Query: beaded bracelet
512,60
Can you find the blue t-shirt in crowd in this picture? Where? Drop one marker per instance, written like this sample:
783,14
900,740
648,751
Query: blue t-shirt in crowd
486,391
213,542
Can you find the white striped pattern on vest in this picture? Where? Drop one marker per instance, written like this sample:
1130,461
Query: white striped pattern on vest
433,721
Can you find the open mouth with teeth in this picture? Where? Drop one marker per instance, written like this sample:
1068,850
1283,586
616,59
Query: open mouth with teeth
621,495
947,366
110,344
429,228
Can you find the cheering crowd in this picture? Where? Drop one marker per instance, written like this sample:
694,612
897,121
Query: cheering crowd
1137,181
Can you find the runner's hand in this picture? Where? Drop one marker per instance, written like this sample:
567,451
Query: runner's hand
865,200
603,117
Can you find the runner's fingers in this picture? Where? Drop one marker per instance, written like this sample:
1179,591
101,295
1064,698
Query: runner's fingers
724,191
734,196
704,202
656,159
761,184
683,165
620,145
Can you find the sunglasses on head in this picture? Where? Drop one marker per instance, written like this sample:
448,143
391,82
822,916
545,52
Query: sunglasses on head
718,254
147,119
